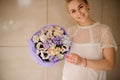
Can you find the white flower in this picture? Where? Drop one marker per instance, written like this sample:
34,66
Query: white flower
40,46
35,38
66,40
37,51
42,37
44,54
64,48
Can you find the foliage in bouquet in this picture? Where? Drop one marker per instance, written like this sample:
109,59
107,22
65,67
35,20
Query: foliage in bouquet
51,43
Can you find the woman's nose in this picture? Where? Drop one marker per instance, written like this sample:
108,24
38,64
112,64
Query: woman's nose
78,12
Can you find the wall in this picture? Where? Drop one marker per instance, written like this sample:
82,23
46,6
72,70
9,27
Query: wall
19,19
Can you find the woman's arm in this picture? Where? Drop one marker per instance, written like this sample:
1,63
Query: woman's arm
107,63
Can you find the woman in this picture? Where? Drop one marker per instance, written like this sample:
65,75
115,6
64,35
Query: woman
93,46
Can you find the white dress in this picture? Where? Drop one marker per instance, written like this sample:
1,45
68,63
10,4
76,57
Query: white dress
88,42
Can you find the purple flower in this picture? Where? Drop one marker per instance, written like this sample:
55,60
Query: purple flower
46,45
58,40
53,59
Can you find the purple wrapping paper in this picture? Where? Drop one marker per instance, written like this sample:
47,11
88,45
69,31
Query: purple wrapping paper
33,49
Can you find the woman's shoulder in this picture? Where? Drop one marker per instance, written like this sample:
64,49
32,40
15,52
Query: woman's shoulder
103,27
71,30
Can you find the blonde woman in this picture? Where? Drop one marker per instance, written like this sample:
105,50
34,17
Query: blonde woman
93,45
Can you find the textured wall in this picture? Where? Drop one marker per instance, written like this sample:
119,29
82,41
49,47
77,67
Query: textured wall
111,16
19,19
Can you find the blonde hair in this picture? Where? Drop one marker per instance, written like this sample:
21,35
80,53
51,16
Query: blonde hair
68,1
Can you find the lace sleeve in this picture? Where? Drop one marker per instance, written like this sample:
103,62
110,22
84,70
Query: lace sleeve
107,39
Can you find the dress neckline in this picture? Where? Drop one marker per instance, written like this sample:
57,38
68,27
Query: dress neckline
87,27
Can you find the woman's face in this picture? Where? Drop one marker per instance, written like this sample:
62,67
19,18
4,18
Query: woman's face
78,9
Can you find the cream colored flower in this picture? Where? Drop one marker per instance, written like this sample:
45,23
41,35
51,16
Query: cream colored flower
57,50
60,56
42,37
49,34
51,51
35,38
58,31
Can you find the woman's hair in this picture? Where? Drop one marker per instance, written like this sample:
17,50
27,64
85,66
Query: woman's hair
68,1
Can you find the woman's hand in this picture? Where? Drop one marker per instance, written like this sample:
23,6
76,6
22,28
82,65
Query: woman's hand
74,59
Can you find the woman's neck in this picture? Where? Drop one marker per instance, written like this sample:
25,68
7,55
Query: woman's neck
88,22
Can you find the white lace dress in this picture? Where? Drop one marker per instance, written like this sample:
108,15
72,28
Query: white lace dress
88,42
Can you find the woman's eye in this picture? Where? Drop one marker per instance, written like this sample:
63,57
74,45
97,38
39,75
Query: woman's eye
73,11
81,7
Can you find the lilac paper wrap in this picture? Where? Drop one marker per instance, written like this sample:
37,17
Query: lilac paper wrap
57,40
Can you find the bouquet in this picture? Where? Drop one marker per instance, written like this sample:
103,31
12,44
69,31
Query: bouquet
50,44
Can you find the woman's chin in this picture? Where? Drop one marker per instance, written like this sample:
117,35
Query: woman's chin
81,21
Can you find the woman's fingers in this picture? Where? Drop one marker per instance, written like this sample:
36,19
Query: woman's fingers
73,58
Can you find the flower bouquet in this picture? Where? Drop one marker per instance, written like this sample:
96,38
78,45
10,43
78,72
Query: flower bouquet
49,45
